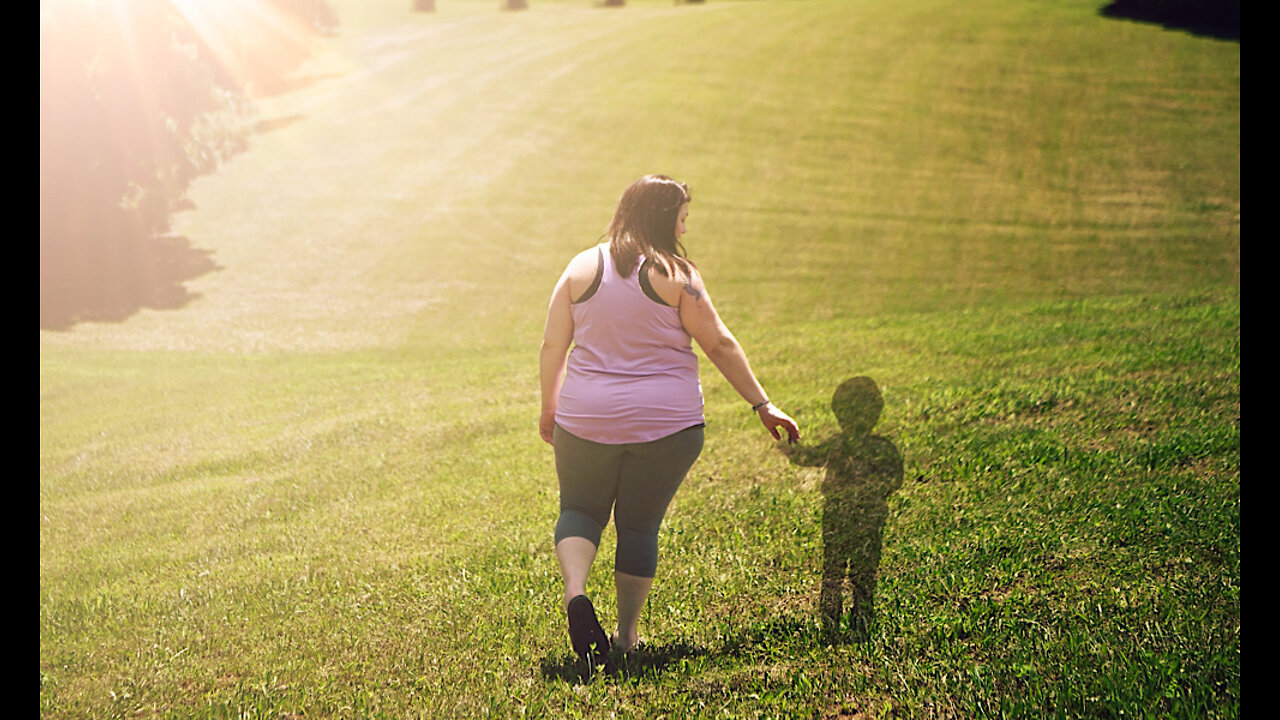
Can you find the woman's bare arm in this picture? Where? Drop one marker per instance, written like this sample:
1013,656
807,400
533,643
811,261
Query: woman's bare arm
700,320
557,335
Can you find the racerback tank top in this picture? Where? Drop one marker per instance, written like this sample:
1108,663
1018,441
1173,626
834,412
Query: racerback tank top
632,375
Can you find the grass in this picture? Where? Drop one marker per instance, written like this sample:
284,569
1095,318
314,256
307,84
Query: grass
317,491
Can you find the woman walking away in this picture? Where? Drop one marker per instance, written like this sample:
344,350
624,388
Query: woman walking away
624,411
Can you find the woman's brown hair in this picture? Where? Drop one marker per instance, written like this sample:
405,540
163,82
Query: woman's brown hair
645,224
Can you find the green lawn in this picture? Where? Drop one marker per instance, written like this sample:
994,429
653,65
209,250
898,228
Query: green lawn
317,489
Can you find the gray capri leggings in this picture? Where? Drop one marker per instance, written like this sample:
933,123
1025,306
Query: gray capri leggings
636,481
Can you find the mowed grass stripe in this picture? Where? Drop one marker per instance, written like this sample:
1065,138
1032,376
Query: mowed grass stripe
807,128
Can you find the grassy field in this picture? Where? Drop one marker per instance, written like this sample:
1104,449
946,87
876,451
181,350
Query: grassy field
317,489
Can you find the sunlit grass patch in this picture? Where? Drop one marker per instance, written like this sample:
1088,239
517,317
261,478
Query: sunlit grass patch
1065,536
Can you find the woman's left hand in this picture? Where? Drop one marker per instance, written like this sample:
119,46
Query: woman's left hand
775,420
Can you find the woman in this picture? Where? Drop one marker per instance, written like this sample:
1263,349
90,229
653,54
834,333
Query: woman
624,412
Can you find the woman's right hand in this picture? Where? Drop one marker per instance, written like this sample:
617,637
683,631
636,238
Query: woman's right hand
776,421
547,425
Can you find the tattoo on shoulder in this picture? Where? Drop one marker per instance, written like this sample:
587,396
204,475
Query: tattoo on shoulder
691,290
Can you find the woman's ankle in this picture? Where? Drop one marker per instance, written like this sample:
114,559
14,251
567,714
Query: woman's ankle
569,595
626,641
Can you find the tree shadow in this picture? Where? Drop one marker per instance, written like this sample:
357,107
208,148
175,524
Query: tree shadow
1209,18
110,278
863,470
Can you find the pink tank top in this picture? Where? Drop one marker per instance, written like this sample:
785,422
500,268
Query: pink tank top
632,375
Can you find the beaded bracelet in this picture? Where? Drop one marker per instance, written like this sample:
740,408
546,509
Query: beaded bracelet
760,405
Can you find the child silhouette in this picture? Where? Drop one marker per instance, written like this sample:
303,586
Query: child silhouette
863,470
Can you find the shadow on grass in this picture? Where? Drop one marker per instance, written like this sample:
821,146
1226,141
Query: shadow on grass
650,661
645,660
1209,18
109,279
862,471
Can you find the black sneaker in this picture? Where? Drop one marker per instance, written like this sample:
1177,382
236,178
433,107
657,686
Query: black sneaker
590,642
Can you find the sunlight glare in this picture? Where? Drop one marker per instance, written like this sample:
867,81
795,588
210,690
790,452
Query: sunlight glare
252,40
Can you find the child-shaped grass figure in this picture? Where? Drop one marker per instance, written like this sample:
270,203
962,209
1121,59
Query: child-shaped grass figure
863,470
